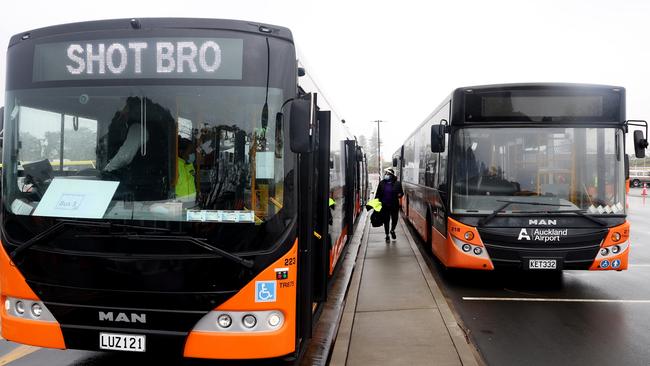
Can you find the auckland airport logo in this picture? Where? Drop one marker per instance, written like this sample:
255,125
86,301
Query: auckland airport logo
543,235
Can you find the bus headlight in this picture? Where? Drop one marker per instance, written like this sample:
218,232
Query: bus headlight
274,319
616,236
28,309
224,320
612,250
241,321
20,307
470,249
37,310
249,321
469,235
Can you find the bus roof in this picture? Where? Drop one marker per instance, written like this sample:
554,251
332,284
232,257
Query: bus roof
535,86
157,23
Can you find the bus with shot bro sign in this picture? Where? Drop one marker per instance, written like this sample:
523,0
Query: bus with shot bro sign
166,187
525,176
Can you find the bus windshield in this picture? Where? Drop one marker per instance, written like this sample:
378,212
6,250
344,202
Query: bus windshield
571,168
172,153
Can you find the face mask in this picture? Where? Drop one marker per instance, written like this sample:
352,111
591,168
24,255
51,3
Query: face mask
191,158
387,177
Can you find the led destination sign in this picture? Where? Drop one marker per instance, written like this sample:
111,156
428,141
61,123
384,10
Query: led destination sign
211,58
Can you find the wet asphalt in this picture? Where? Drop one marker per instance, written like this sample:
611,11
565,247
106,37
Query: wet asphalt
584,331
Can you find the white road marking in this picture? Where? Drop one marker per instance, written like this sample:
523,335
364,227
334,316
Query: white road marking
543,299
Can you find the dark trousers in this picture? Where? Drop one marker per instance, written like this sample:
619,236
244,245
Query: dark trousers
390,214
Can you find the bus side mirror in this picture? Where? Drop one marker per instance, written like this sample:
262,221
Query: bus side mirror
394,161
640,144
438,138
300,125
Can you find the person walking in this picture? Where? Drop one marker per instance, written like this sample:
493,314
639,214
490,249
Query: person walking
389,192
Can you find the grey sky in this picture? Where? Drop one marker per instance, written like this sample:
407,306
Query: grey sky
396,60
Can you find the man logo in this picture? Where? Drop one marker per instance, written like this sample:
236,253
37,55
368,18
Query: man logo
523,234
542,222
122,317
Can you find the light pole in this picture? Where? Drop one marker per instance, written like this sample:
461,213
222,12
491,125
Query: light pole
378,148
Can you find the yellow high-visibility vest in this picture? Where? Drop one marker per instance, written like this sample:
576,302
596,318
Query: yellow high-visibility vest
375,204
185,185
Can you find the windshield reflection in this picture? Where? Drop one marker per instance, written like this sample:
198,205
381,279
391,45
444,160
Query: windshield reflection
574,168
146,153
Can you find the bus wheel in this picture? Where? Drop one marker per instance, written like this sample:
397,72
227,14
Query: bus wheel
636,183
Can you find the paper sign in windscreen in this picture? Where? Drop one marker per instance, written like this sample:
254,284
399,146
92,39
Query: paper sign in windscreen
76,198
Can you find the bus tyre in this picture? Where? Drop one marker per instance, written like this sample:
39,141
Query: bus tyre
636,183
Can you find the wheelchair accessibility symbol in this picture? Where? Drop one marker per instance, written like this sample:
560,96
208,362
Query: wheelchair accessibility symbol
265,291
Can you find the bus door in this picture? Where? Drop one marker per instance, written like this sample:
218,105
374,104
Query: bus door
358,182
306,226
322,240
400,163
441,189
364,177
350,174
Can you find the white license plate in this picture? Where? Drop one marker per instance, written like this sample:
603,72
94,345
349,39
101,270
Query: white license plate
122,342
542,264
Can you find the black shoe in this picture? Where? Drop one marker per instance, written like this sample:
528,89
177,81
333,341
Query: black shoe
392,234
387,239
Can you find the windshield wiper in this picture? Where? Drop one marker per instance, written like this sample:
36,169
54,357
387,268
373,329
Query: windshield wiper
49,232
62,223
494,213
180,238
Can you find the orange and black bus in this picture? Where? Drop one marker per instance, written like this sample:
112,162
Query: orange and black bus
200,225
527,176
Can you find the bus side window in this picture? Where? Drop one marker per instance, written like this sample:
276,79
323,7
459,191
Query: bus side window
431,159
